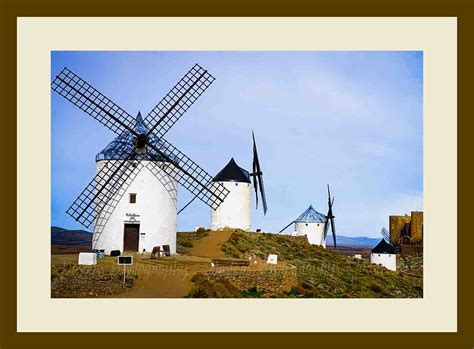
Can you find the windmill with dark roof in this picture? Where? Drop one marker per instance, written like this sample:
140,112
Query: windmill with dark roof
131,201
235,211
385,253
315,225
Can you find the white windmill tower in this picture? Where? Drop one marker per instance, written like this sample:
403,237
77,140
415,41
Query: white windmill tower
145,206
235,211
311,224
315,225
132,198
385,253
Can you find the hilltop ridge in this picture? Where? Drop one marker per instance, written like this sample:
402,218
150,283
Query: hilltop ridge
321,273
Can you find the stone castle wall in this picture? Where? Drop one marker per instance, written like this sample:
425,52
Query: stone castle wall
397,224
413,224
416,229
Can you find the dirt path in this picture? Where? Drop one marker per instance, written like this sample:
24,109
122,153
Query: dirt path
161,285
176,282
210,246
168,280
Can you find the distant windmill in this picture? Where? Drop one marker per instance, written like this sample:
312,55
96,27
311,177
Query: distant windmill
315,225
397,244
385,253
147,216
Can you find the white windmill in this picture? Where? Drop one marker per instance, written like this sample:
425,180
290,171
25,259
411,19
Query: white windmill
235,210
385,253
311,224
144,208
315,225
132,199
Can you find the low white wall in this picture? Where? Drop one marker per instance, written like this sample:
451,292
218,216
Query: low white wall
155,208
387,260
235,211
313,231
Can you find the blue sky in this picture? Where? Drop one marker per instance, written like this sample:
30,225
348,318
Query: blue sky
350,119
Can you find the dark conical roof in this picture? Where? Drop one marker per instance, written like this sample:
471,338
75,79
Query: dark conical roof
384,247
232,173
113,150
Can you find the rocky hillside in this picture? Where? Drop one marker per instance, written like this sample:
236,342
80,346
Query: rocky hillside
324,273
70,241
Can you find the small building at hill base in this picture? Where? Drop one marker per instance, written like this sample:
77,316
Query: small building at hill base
311,224
235,211
385,255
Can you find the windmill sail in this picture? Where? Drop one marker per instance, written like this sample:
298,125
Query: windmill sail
286,226
385,235
178,100
147,144
333,229
258,178
326,229
330,219
103,187
190,175
88,99
397,246
254,170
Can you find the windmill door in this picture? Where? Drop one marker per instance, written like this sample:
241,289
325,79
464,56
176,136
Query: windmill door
131,235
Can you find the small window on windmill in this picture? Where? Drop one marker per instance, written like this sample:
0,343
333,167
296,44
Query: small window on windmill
236,184
306,224
133,198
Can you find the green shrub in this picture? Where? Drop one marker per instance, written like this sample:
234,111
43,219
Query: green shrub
376,287
252,293
188,244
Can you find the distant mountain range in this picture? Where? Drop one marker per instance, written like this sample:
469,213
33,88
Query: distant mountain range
353,241
82,239
70,241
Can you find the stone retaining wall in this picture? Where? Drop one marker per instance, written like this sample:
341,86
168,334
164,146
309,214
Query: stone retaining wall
267,280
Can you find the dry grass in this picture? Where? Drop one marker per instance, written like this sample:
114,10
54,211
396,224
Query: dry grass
411,264
207,288
323,273
185,240
82,281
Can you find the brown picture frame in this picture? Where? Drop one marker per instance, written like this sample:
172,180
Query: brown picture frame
10,10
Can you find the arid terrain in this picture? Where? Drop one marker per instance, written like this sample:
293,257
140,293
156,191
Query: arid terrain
303,270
